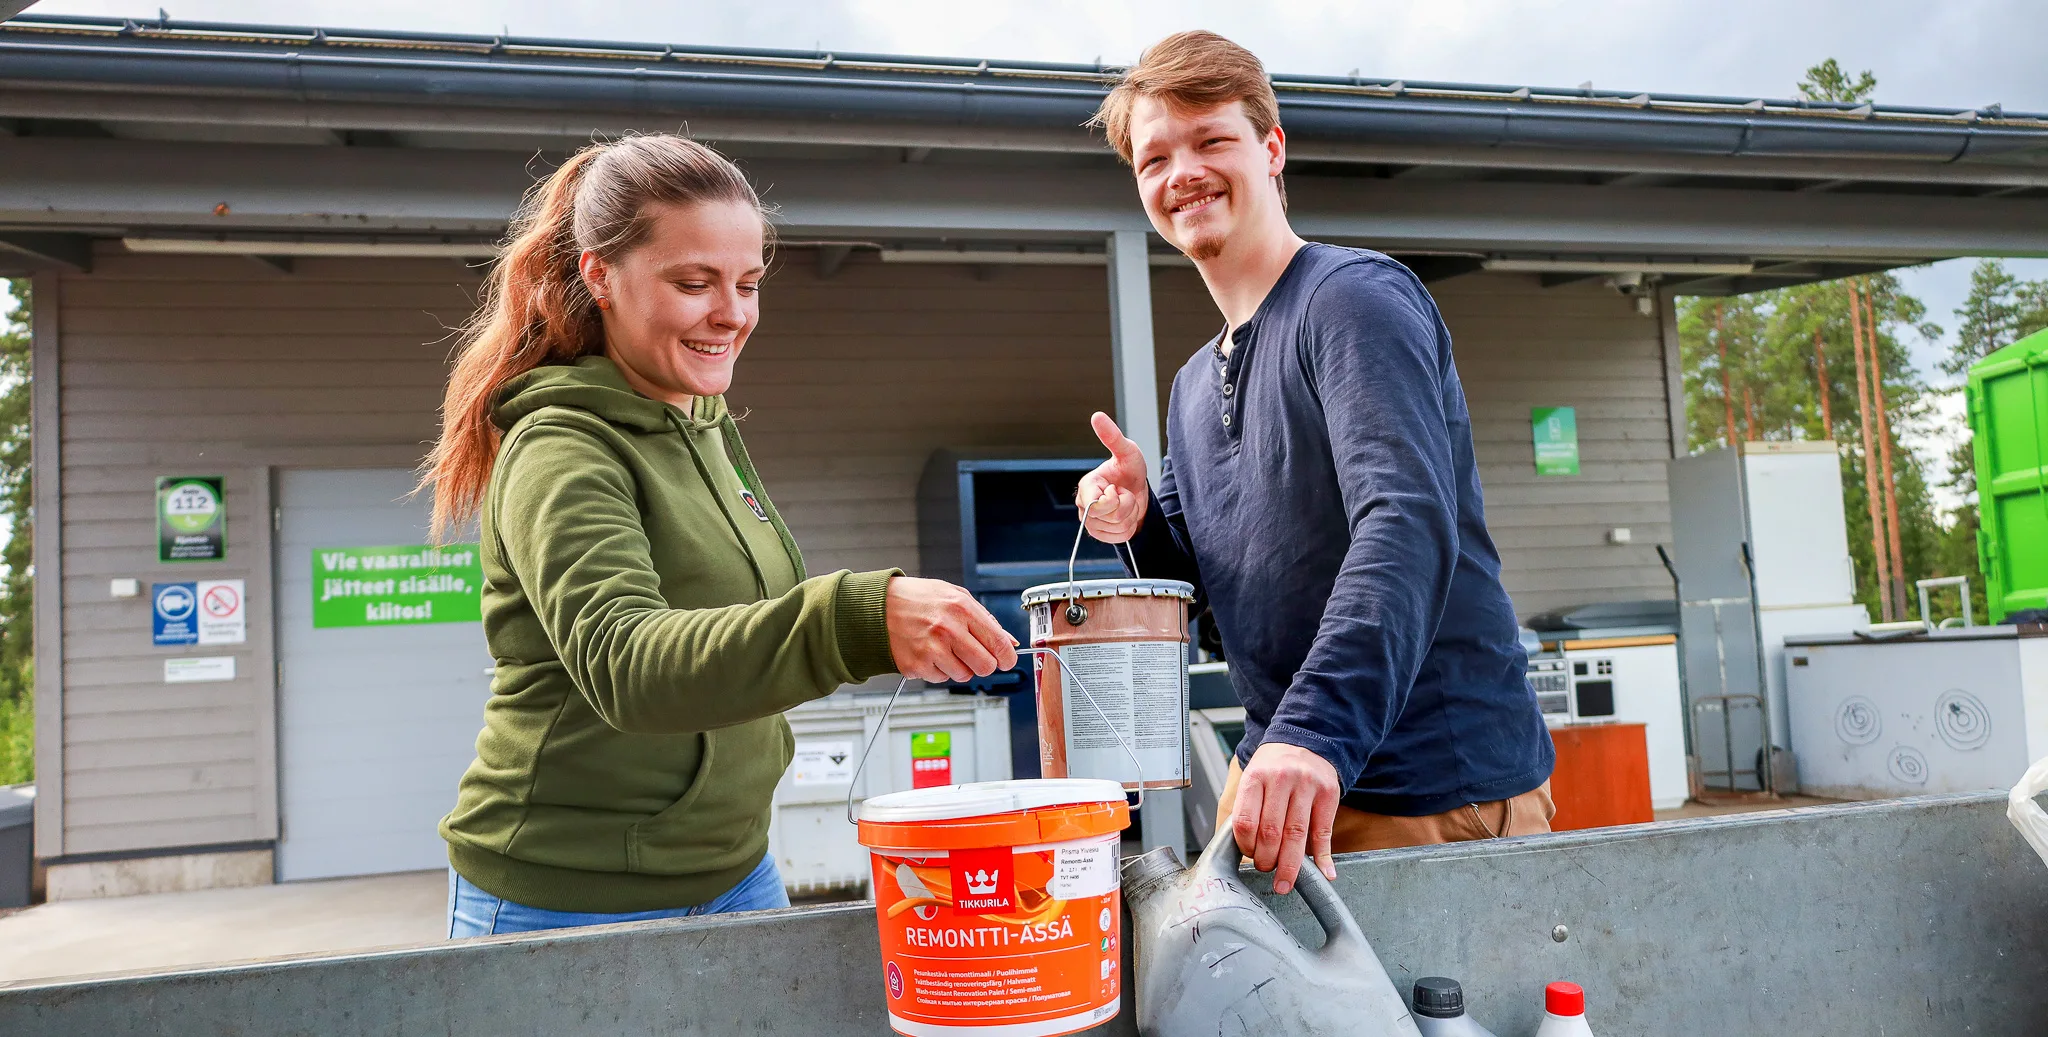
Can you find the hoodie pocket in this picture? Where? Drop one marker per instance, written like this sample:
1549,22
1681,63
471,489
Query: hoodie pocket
672,815
722,818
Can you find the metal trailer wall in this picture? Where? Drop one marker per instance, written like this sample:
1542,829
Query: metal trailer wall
182,365
1921,916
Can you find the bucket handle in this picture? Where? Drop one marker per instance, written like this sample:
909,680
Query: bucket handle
1066,671
1074,556
1341,936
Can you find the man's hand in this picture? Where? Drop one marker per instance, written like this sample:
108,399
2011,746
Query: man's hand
939,633
1112,498
1286,802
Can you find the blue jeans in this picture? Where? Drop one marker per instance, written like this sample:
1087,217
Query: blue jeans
473,912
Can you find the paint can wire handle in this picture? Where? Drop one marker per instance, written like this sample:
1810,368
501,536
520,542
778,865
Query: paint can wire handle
1066,671
1075,555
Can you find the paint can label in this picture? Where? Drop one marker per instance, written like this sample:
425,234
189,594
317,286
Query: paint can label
1026,939
1141,689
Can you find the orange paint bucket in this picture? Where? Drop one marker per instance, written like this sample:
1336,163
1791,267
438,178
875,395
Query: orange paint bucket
1000,906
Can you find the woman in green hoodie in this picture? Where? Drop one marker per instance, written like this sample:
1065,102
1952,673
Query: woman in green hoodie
648,611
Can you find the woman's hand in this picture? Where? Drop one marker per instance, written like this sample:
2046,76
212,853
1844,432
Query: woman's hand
1113,497
939,633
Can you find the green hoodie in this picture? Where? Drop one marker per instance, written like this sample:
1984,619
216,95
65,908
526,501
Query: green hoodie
651,622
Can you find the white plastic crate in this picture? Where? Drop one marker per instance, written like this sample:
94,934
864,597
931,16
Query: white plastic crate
813,844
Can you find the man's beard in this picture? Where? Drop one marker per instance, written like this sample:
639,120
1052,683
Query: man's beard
1204,247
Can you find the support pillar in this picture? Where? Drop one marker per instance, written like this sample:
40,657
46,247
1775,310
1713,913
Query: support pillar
1136,371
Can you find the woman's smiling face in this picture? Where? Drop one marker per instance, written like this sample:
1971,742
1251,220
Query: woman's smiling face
681,303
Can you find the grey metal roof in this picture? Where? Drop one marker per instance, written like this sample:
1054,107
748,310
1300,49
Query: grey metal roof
539,73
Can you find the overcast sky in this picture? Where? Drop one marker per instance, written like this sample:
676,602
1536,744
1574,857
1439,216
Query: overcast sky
1960,53
1937,52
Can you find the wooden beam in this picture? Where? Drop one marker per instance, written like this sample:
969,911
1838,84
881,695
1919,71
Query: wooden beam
43,249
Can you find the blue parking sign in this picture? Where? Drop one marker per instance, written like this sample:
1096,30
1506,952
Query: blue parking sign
176,610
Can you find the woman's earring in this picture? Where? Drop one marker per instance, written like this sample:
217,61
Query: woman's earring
604,303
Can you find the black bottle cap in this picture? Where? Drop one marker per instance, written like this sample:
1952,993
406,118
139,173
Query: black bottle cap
1439,998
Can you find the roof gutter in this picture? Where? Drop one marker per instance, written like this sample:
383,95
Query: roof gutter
833,93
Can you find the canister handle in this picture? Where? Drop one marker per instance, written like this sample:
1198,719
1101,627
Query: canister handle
1342,937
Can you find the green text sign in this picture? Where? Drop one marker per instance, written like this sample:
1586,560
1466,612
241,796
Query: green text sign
191,518
1556,432
396,586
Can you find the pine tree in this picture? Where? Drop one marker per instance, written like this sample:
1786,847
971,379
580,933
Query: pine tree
1827,82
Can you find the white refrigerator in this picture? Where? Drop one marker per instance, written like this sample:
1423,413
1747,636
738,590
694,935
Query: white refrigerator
1761,548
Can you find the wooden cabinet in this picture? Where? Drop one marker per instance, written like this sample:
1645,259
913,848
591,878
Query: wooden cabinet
1602,776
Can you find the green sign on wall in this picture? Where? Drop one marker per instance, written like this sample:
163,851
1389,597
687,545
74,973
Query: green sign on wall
191,518
396,586
1556,434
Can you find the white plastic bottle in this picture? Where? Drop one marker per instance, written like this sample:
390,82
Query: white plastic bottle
1440,1010
1564,1012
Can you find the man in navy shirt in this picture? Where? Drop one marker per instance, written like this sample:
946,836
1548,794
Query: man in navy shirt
1322,496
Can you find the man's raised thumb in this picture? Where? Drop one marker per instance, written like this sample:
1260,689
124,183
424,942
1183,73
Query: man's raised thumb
1114,438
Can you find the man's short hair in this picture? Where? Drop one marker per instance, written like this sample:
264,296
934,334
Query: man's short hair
1189,71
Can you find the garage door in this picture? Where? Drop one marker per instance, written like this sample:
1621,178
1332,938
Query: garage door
381,695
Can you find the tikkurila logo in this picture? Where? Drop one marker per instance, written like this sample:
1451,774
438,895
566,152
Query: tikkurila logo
982,881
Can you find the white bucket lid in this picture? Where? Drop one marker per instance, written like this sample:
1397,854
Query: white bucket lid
982,798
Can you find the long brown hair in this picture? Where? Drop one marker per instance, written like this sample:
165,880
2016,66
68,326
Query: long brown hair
536,308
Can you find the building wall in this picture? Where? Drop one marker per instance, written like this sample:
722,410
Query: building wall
853,381
197,366
212,366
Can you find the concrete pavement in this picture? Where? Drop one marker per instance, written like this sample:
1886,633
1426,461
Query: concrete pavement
172,930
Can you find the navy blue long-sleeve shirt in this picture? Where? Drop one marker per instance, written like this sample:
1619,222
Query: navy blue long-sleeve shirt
1321,494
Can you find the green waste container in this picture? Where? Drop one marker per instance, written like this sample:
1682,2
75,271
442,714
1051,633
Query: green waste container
2008,404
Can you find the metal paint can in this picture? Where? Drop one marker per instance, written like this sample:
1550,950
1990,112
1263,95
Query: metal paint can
1126,642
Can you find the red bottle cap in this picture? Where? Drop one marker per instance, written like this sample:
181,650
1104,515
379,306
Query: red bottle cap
1564,999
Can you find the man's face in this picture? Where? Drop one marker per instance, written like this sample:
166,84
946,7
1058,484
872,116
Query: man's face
1203,174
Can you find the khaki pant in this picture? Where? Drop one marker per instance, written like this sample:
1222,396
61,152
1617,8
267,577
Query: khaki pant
1355,830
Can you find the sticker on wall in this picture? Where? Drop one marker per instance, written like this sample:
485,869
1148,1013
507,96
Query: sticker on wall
931,759
222,618
200,669
175,613
191,518
1555,431
198,612
403,585
822,762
